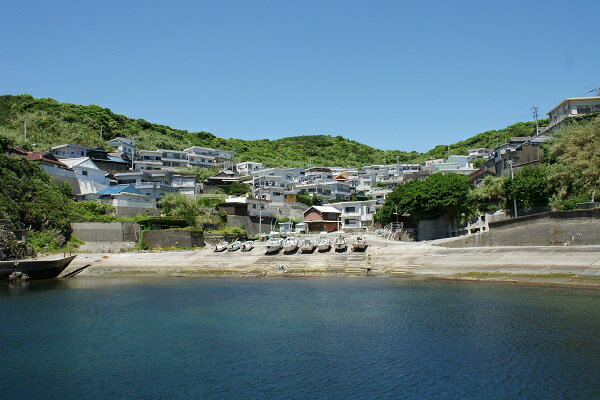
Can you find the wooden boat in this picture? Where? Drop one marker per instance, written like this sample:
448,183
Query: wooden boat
359,244
235,245
308,245
34,269
247,245
290,244
340,243
324,244
273,245
221,246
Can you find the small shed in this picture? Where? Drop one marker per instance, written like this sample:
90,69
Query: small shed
323,218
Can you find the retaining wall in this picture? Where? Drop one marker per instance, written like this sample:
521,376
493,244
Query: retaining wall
106,231
556,228
250,223
173,238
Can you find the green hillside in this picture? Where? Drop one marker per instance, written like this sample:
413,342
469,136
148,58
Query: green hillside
50,123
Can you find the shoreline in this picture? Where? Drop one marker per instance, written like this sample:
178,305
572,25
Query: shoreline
557,265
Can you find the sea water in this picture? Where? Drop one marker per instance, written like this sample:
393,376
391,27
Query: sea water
365,338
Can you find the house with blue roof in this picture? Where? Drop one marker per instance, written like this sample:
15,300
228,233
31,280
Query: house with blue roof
127,200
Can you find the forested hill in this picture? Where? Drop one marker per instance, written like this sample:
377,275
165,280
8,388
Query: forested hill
50,123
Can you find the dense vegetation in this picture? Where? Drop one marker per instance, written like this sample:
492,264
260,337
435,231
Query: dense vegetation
570,175
436,196
50,123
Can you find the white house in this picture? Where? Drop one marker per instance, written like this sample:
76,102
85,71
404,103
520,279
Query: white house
329,189
70,151
126,199
255,207
124,145
453,165
185,184
155,184
573,107
356,214
90,178
248,167
174,159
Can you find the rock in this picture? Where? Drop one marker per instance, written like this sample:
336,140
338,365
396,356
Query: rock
18,277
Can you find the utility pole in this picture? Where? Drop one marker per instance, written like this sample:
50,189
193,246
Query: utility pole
510,164
259,209
534,110
25,118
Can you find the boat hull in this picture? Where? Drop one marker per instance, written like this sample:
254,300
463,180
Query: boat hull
272,249
35,269
324,247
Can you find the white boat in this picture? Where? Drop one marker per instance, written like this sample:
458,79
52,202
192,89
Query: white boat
308,245
235,245
359,244
290,244
324,244
273,245
247,245
340,243
221,246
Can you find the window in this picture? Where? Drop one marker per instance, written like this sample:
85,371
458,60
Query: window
83,172
350,209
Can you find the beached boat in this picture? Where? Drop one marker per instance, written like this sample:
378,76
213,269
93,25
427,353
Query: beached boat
324,244
33,269
221,246
308,245
339,243
359,244
273,245
290,244
247,245
235,245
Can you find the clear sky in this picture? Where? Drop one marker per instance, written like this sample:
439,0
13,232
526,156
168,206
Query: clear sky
391,74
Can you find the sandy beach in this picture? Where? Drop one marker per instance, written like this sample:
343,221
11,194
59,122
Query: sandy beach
574,265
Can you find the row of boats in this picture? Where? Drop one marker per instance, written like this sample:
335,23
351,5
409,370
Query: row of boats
292,244
309,245
248,245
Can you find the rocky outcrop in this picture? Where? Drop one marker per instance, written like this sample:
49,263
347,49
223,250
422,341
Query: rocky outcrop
11,248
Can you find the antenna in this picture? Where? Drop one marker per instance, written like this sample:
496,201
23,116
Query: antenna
596,91
534,111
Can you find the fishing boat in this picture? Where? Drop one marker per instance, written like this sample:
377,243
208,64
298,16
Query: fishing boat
308,245
247,245
33,269
235,245
324,244
359,244
221,246
340,243
290,244
274,244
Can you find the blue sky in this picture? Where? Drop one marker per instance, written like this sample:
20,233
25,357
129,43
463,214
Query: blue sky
391,74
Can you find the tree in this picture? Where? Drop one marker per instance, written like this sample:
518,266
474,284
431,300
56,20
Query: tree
236,189
433,197
529,187
574,156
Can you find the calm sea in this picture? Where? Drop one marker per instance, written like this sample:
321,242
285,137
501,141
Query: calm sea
297,339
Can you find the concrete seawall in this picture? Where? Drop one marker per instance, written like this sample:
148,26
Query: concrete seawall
558,228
